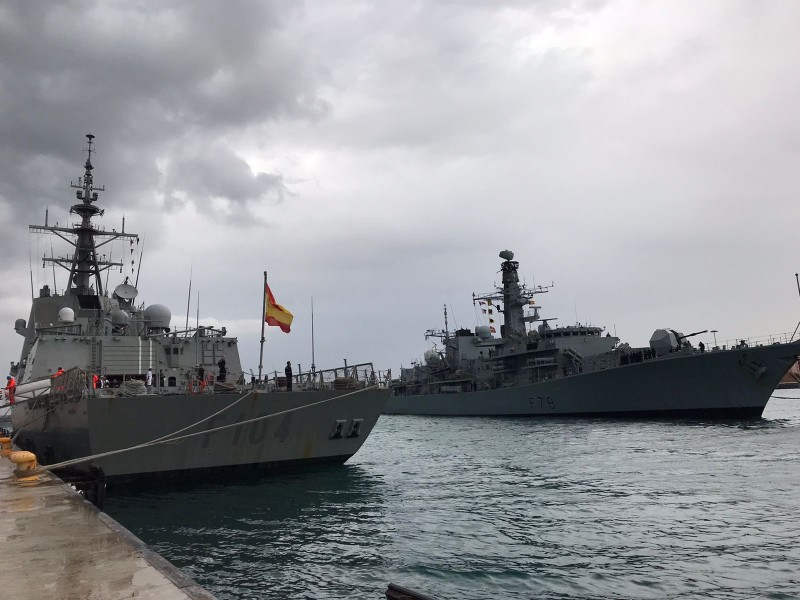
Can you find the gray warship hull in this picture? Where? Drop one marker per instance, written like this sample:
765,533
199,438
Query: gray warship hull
318,427
737,382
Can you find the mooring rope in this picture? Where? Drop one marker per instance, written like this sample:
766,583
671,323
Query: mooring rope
41,416
168,439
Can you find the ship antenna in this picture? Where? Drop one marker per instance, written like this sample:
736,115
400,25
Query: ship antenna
30,266
188,303
797,281
89,138
313,366
139,268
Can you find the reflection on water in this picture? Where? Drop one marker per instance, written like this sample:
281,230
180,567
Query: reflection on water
517,508
266,533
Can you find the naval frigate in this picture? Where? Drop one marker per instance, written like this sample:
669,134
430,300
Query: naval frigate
104,376
578,370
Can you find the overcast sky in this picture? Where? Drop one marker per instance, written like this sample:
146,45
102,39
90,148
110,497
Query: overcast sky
376,156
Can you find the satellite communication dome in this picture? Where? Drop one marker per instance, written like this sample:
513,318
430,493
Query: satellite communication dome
483,332
432,357
125,291
119,318
66,315
157,315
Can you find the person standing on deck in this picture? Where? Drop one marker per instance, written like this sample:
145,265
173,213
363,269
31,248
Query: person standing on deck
11,385
288,372
201,379
223,370
59,373
148,380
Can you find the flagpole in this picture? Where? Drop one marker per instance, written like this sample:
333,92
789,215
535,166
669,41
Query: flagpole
313,366
188,302
263,320
197,332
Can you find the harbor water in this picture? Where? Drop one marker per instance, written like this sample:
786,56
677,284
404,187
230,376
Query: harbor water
505,508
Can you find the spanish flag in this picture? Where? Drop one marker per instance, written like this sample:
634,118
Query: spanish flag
276,315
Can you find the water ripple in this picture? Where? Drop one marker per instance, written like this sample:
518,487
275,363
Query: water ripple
508,508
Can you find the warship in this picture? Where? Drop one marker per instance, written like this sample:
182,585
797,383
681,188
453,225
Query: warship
105,382
578,370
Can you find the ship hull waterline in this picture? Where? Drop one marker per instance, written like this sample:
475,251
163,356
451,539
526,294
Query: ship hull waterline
320,427
731,383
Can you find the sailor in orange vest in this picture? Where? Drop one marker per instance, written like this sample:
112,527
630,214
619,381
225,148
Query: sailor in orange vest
11,385
59,373
95,381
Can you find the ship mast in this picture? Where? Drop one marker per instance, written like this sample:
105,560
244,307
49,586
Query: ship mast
84,266
515,298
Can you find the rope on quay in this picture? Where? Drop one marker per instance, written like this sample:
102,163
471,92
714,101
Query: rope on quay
168,439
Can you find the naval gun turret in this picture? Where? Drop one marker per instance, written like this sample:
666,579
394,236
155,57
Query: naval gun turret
664,341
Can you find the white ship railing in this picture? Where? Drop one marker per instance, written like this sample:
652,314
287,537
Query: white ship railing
340,378
762,340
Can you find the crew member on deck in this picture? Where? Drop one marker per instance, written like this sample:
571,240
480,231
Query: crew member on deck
11,385
201,378
59,373
288,372
223,370
148,380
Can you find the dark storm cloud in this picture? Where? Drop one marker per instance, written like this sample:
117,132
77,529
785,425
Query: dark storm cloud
141,76
216,172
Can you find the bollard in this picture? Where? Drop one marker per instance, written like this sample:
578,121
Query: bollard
26,464
5,446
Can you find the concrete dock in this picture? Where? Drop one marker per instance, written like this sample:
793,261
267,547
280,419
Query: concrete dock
58,545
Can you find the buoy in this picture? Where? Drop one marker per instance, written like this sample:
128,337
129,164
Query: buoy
25,461
5,446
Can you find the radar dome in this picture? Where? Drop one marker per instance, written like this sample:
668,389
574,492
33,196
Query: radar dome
483,332
119,318
432,357
157,315
507,255
66,315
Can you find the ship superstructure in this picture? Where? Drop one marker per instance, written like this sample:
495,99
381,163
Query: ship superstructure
111,336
